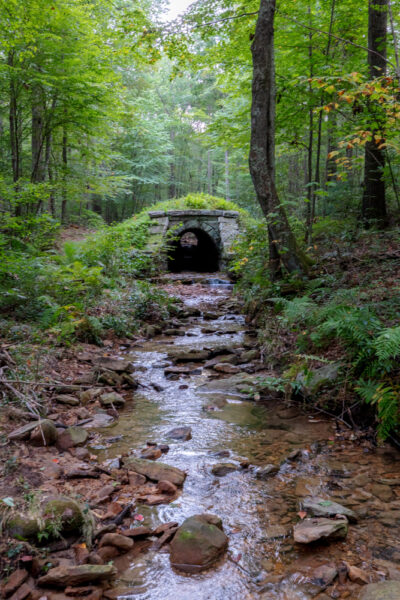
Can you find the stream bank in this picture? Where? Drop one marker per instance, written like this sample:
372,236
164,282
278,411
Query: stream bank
250,463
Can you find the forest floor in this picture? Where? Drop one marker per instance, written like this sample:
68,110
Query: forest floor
262,464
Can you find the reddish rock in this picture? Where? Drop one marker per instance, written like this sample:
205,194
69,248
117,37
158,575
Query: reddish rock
80,591
164,527
117,540
15,580
94,559
167,487
154,499
22,592
136,480
77,575
137,532
358,575
44,434
107,553
151,453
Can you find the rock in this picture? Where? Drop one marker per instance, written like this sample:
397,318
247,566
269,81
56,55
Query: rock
320,579
383,492
226,368
358,575
307,485
112,463
15,580
112,399
135,479
198,543
312,530
107,553
44,434
22,592
173,331
22,526
319,507
90,395
156,471
64,509
116,539
71,437
151,453
167,487
267,471
222,469
23,433
180,433
190,355
137,532
384,590
99,420
182,371
77,575
66,399
114,364
312,383
249,355
161,529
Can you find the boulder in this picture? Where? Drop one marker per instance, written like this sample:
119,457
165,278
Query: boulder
44,434
326,375
117,540
357,575
190,355
222,469
267,471
156,471
166,487
384,590
67,399
107,553
313,530
65,510
112,399
226,368
180,433
320,579
71,437
77,575
198,543
22,526
24,432
319,507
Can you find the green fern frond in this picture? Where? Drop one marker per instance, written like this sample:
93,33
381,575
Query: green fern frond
299,310
387,344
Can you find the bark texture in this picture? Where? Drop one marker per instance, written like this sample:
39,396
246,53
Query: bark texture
284,253
374,201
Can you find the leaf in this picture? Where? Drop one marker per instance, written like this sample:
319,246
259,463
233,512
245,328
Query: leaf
9,501
302,514
138,518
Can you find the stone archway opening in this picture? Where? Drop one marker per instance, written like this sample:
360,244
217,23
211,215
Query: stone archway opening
193,250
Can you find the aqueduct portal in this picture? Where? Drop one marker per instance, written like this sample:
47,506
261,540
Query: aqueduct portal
201,240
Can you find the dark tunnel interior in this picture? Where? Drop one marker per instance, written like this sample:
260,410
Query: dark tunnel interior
194,250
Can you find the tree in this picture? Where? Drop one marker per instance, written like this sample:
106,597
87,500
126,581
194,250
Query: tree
283,249
374,200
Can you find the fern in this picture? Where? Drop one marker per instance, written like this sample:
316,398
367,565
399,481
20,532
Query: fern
299,310
387,344
386,398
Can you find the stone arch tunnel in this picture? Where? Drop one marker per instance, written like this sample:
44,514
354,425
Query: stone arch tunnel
200,240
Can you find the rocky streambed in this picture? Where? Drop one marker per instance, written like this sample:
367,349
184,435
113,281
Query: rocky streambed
167,479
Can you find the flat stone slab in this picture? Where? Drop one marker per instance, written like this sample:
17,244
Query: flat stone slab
320,507
313,530
385,590
77,575
156,471
180,433
114,364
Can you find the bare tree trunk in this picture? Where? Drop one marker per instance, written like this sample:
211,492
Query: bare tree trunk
374,200
310,192
283,250
395,40
38,173
172,167
227,194
209,172
64,197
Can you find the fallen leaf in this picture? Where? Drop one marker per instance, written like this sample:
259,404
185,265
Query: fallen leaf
302,514
138,518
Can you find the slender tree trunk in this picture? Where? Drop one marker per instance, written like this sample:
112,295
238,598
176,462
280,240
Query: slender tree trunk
64,196
227,193
15,131
283,250
172,167
395,39
209,172
310,191
374,201
38,172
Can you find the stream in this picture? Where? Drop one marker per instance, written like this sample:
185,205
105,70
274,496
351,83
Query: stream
229,426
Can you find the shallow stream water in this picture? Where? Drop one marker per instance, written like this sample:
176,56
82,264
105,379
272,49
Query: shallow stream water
258,516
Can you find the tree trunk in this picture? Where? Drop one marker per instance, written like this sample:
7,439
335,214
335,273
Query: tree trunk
209,173
374,201
227,193
38,172
172,175
283,250
64,197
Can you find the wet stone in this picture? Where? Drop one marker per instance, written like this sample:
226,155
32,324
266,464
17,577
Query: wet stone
112,399
15,580
76,575
385,590
267,471
320,507
180,433
222,469
312,530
